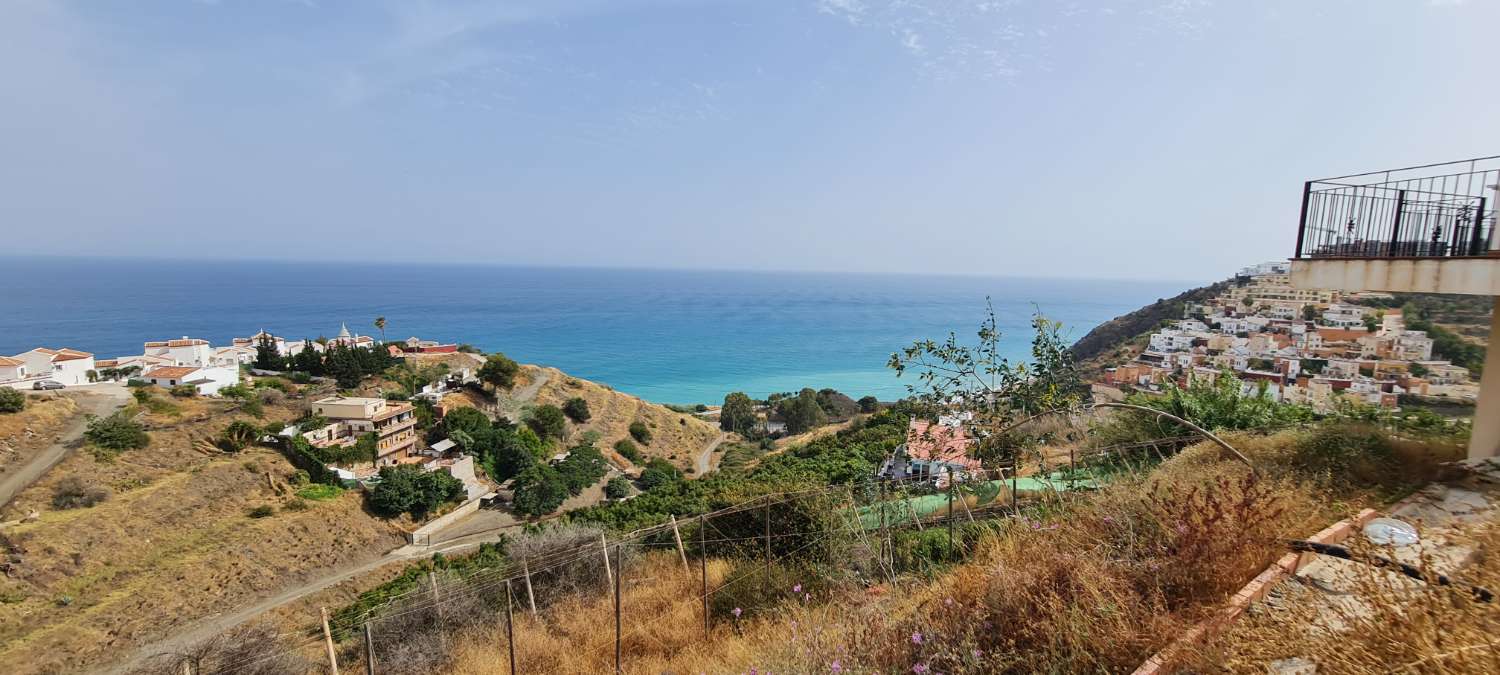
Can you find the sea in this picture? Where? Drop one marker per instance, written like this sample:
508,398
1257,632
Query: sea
668,336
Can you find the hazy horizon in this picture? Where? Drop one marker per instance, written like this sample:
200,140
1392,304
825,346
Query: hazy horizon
1134,139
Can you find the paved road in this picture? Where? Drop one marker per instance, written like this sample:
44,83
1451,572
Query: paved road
99,399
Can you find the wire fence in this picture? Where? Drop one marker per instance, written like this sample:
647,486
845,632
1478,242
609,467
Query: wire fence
857,524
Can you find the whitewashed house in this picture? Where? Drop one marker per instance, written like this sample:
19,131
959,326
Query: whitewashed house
184,351
12,369
68,366
207,380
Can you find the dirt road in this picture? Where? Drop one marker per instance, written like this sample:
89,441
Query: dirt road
97,399
704,461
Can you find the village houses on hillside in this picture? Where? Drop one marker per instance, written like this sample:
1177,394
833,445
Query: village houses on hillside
1301,345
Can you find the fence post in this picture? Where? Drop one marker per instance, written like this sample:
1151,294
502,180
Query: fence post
530,596
886,556
950,511
510,629
703,567
768,530
677,535
333,659
1302,220
620,568
369,650
1015,486
436,600
609,575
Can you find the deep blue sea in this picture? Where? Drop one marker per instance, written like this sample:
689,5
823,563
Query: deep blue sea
667,336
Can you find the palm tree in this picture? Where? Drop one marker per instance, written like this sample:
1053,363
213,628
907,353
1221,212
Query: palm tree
380,323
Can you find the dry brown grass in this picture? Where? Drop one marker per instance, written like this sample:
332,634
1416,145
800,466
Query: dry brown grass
1385,623
676,437
1098,587
24,433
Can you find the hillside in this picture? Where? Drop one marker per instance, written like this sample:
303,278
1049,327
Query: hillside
1119,339
172,542
677,437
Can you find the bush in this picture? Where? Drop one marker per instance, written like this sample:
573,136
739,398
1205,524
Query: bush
869,404
539,490
640,433
583,467
183,391
548,422
135,382
617,488
261,511
659,472
236,391
296,504
499,371
73,493
116,433
628,450
11,400
320,493
299,377
409,489
577,410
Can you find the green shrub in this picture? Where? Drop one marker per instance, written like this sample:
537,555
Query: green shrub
499,371
238,435
253,408
236,391
116,433
320,493
577,409
11,400
271,383
640,433
183,391
261,511
135,382
296,504
659,472
759,588
628,450
299,377
548,421
583,467
617,488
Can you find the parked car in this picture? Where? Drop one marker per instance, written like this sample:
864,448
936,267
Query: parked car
42,385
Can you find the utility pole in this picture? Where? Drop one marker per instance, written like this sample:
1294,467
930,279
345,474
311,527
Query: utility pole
703,567
510,630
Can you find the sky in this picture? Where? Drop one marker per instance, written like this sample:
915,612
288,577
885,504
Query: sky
1152,139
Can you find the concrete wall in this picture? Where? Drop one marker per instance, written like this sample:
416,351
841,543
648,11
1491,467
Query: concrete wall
1469,276
1484,441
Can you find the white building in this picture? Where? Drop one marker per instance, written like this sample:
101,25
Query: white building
184,351
67,366
1344,316
1171,340
12,369
207,380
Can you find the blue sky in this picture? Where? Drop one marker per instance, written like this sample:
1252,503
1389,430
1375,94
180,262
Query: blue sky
1126,138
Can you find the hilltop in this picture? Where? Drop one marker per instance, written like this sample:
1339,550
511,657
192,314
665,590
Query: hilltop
1120,338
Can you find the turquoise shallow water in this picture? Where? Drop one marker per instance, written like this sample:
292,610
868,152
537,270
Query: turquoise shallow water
667,336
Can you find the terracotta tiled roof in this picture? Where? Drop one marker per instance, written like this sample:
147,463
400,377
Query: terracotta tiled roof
8,361
938,442
186,342
107,363
170,372
70,355
44,350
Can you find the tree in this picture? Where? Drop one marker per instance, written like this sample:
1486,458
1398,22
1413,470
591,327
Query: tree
627,449
869,404
499,371
11,400
659,472
617,488
116,432
539,490
577,410
266,356
309,360
738,413
380,324
511,455
980,380
1309,313
583,467
640,432
548,422
410,489
802,413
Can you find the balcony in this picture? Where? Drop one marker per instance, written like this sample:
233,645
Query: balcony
1426,229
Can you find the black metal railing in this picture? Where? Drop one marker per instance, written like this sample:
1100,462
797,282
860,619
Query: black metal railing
1432,211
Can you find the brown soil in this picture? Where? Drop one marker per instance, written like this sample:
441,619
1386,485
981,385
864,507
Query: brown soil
173,544
25,433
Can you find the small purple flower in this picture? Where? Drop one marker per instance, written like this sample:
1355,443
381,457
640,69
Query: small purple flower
806,597
919,668
976,653
916,638
948,601
797,588
836,666
1109,519
736,614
